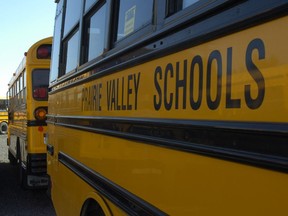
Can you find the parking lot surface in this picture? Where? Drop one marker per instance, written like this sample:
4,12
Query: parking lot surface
15,201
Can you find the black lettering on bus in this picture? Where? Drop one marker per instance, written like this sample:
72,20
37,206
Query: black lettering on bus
117,105
158,98
214,104
255,45
230,102
99,88
181,84
111,94
129,92
118,88
84,98
91,98
168,101
136,87
94,101
195,103
123,106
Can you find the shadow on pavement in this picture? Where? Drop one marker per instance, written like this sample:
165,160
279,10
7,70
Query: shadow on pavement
16,201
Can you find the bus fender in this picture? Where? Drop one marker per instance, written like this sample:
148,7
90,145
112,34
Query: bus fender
94,202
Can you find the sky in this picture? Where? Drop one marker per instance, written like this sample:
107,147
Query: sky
22,23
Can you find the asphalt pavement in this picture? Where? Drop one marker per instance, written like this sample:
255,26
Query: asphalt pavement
15,201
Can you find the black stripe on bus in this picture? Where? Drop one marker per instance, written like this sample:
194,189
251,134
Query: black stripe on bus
33,123
125,200
258,144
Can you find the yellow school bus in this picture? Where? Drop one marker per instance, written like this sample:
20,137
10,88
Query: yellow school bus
3,116
169,108
28,95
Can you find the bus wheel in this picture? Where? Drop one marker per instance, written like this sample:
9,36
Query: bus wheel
11,158
3,127
22,176
91,208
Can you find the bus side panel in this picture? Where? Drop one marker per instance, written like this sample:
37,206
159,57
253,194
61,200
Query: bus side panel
178,183
12,143
94,128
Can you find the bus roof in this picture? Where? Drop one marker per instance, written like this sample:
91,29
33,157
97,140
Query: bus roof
28,55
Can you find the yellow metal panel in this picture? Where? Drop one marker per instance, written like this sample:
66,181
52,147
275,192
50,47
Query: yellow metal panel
257,66
181,183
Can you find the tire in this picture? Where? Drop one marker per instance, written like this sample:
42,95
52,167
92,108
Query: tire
3,127
22,173
11,158
22,176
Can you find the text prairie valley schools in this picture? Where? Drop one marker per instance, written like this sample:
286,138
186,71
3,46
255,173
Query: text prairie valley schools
122,94
177,88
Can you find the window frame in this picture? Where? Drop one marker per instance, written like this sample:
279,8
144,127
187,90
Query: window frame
87,9
64,45
56,55
134,36
20,88
86,22
66,32
24,86
64,40
192,12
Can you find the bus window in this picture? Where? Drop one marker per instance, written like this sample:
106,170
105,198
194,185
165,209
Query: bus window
88,4
187,3
95,33
24,86
40,79
71,47
21,88
175,6
72,15
56,43
133,15
17,92
71,36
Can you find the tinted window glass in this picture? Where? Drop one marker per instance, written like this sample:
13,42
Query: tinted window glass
96,33
20,82
3,103
20,88
89,3
40,78
72,52
17,86
56,43
24,86
133,15
72,15
174,6
187,3
24,79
